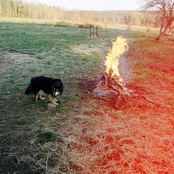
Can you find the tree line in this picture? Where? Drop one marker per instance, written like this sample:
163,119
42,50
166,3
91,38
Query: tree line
24,9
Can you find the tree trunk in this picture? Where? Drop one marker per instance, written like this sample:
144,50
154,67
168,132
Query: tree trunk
162,33
160,36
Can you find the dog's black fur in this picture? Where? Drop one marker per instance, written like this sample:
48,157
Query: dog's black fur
52,87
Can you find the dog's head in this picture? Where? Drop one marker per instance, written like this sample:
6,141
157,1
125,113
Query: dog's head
57,87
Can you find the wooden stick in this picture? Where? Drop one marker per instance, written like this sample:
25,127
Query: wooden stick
14,50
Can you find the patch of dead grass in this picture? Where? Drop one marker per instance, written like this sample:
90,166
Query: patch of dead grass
118,141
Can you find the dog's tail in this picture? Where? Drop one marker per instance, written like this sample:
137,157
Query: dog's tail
28,90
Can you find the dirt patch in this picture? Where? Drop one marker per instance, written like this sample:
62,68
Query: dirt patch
9,60
87,50
16,57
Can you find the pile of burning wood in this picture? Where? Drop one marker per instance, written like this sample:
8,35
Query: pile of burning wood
112,81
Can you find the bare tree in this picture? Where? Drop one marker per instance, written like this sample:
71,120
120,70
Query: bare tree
166,11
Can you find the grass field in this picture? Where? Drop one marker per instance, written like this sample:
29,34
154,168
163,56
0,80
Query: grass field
85,134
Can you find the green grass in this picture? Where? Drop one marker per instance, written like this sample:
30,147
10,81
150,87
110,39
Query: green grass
45,136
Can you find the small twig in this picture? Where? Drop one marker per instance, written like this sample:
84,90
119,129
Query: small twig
48,156
150,101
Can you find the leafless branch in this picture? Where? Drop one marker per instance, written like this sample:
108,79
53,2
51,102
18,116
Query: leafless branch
165,8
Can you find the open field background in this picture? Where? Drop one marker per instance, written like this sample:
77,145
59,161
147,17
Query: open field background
85,134
75,24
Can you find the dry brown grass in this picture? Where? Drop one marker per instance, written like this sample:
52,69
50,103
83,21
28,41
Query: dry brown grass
110,141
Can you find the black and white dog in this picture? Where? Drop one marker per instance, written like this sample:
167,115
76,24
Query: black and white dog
52,87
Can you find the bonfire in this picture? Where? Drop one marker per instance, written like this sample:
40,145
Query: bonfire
112,83
112,76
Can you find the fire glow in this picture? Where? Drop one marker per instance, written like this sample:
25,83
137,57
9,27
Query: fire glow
112,75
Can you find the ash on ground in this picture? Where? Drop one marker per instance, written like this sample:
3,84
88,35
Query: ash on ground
104,92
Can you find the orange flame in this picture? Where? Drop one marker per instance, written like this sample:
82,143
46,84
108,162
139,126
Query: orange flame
119,46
